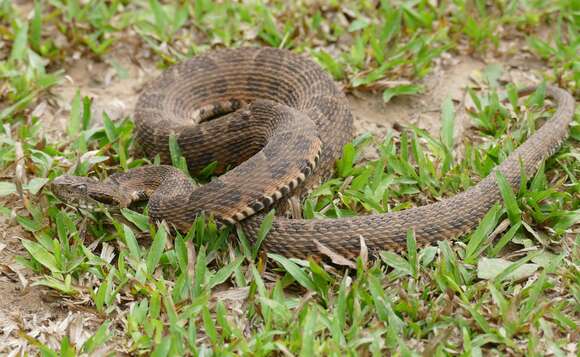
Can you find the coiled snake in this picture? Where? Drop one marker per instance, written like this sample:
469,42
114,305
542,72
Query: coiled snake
281,121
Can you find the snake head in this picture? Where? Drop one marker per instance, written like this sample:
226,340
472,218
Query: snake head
83,192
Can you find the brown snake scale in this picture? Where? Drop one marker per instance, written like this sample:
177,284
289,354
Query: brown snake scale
282,122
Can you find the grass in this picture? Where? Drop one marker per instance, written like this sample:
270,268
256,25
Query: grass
510,287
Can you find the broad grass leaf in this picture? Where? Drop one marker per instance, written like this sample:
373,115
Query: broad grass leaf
491,268
296,272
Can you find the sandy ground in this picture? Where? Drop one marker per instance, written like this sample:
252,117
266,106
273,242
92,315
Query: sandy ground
114,85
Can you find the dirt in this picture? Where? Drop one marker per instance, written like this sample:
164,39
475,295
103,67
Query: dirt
449,80
114,85
25,308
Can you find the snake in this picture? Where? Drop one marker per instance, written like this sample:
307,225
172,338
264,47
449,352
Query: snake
271,124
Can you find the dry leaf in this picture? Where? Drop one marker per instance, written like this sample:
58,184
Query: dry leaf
334,257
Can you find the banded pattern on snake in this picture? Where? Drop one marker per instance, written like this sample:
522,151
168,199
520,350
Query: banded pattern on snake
282,122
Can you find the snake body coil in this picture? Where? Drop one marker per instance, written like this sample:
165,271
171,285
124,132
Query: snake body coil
282,123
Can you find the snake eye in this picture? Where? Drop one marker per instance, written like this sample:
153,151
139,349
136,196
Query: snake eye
81,187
